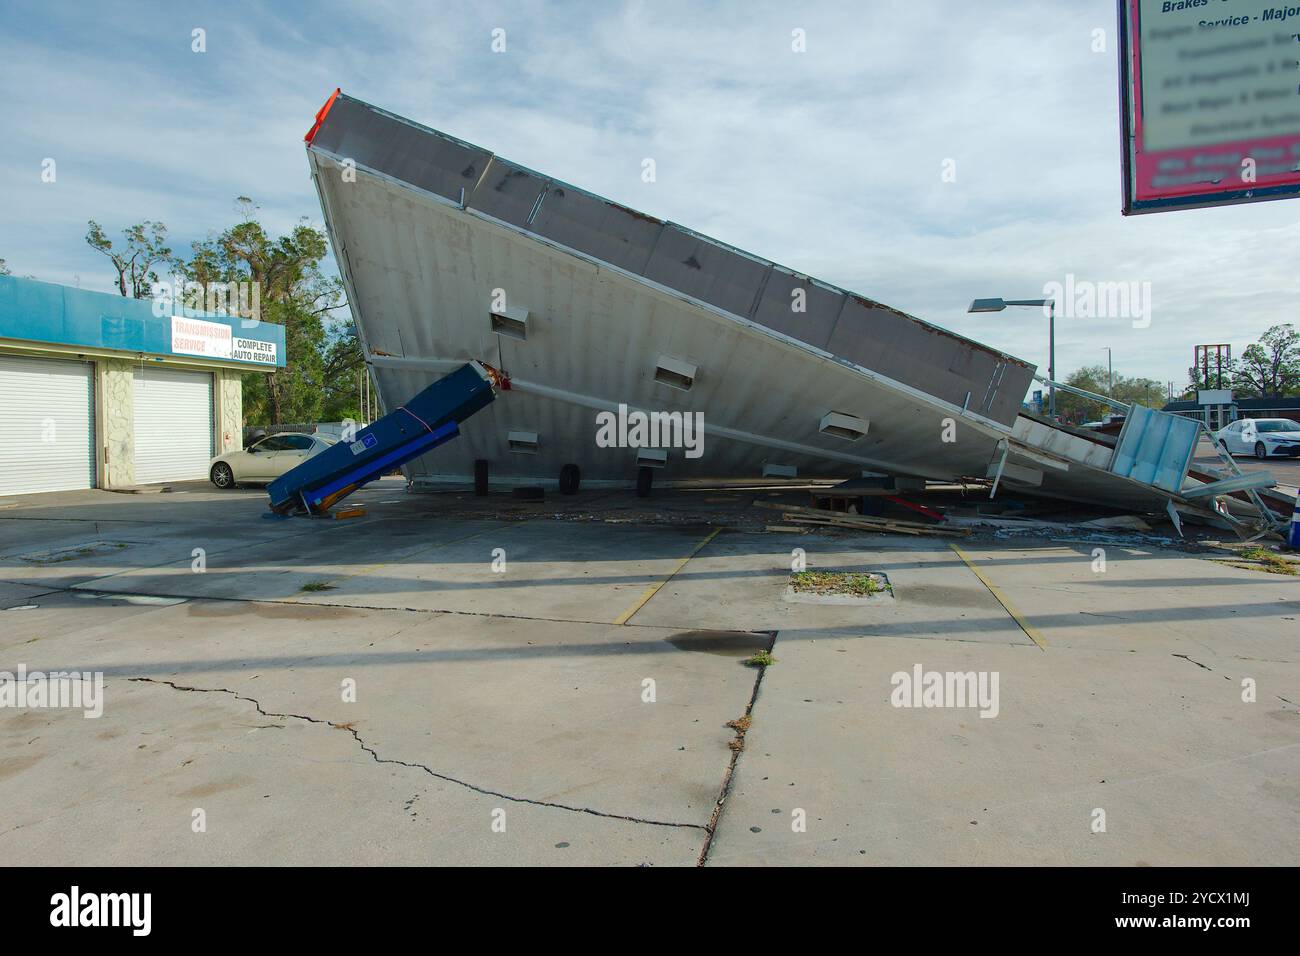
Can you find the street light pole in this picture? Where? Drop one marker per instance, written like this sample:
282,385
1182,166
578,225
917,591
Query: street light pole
1051,357
1110,374
997,305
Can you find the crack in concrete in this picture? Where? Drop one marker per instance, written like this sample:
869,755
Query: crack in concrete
725,790
1197,663
289,602
1227,677
374,754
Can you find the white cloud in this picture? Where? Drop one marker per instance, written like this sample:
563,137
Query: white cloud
828,161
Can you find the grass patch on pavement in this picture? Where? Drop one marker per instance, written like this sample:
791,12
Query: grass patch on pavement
317,586
856,583
1264,559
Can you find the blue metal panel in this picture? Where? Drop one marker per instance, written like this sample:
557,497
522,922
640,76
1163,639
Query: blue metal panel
32,311
371,470
427,420
1155,448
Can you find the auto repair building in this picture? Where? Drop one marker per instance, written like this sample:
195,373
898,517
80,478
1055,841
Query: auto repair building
97,391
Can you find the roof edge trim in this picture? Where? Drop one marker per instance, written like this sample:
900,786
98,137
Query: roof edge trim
320,115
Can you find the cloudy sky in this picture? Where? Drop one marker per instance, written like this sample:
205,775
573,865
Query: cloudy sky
830,161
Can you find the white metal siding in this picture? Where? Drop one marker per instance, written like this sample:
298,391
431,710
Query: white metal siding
173,424
47,440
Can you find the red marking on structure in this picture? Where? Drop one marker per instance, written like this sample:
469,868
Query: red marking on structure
928,512
320,116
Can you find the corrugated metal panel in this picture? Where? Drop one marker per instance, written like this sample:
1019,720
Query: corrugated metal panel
869,334
424,274
1155,448
809,317
47,435
706,270
173,424
508,192
381,141
601,229
608,291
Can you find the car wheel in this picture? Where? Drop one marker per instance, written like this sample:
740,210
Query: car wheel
1260,450
222,476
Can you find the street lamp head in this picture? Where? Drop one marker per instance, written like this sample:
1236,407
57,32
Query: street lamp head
987,305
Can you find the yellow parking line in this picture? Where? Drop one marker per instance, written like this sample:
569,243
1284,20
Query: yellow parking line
654,588
1033,633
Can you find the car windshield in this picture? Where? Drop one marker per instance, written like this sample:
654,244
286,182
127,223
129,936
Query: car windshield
1277,425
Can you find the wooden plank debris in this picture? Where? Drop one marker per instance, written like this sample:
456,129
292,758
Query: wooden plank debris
796,514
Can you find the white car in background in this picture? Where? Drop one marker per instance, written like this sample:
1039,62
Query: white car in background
1261,437
266,459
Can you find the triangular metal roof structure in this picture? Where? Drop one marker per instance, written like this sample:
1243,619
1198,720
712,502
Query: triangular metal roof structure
451,253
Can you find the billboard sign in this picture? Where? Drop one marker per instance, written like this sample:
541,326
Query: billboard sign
1209,102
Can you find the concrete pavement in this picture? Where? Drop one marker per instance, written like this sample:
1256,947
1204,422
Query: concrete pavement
454,688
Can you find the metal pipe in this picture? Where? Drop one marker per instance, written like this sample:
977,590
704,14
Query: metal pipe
1083,393
1051,357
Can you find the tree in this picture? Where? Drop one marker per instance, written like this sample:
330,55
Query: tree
1270,368
1076,408
322,353
146,246
4,268
1095,379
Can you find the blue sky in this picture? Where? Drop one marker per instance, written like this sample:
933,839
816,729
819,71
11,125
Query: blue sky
829,161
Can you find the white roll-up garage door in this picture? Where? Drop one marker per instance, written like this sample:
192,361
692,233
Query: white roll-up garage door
173,424
47,439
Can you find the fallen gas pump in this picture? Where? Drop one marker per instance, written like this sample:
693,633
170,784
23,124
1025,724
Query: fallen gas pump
426,421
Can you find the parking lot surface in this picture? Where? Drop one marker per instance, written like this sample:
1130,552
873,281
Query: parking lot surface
444,681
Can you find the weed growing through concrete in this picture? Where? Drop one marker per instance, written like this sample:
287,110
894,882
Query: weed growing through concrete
740,725
1262,559
72,554
761,659
317,586
861,584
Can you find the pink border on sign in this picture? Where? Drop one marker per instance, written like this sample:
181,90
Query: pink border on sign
1146,164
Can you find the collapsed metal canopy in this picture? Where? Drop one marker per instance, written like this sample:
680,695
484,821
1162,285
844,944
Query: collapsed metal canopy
451,253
